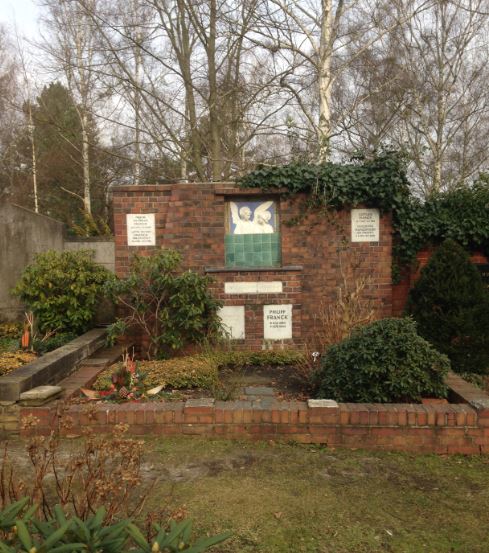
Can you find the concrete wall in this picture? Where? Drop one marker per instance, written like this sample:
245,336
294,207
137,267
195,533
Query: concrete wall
24,234
104,250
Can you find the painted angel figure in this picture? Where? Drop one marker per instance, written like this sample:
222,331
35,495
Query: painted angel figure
247,222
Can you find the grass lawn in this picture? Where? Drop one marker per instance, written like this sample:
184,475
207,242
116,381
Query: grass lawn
290,498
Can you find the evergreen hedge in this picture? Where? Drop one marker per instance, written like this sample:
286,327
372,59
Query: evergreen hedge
451,306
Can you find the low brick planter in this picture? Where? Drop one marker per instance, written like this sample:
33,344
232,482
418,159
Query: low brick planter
461,427
449,428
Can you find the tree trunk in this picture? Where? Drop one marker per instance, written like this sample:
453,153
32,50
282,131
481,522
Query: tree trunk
87,202
215,135
325,81
34,159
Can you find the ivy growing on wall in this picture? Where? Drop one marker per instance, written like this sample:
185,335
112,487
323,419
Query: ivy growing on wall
461,214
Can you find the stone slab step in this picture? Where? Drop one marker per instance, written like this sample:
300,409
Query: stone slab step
52,368
40,395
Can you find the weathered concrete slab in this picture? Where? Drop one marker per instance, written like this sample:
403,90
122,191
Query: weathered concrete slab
52,367
322,404
259,391
40,395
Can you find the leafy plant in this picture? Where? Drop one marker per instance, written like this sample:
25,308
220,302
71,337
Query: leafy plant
385,361
266,358
451,306
170,307
46,344
63,290
22,532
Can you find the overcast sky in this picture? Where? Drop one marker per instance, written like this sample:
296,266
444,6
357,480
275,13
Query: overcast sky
22,13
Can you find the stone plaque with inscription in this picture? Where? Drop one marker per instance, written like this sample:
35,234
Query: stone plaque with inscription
277,322
233,321
141,229
273,287
365,225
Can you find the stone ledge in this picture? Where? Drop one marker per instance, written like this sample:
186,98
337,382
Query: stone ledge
52,367
40,395
284,269
467,392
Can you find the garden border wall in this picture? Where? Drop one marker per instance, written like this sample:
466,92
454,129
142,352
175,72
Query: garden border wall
52,367
440,428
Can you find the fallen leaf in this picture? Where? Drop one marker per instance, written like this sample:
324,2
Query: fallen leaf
155,390
90,394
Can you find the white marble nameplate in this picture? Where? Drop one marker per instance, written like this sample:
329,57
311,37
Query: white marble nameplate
233,321
365,225
277,322
141,229
274,287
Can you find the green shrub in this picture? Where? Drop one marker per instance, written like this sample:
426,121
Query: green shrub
385,361
62,290
171,307
451,307
54,342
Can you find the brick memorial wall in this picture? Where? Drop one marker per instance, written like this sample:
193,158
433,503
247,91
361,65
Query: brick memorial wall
275,265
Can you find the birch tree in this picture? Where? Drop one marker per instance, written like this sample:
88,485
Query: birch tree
70,43
207,91
328,36
425,91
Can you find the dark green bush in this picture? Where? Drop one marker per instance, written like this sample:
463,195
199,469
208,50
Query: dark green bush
169,306
62,290
385,361
451,307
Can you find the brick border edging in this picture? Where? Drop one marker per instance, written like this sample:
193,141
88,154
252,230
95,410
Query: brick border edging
437,428
404,427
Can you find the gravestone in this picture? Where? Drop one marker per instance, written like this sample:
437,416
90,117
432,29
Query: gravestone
233,321
277,322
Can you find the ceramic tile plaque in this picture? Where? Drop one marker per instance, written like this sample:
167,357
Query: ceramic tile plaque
273,287
141,229
365,225
277,322
233,321
252,217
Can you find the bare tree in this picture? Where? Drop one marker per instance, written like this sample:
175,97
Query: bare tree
424,90
70,43
320,40
205,90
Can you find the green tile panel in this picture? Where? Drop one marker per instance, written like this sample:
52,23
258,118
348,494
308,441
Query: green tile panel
252,250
